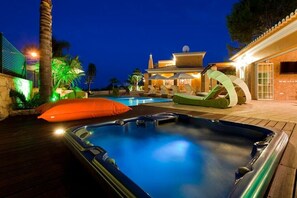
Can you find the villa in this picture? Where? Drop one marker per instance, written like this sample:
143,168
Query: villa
186,62
251,148
269,63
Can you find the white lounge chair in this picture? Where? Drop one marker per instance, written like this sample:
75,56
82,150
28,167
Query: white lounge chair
151,92
242,90
174,89
164,91
189,89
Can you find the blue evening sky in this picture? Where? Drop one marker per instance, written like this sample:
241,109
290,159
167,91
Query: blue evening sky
118,36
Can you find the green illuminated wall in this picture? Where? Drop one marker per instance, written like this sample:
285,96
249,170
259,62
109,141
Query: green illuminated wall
23,86
6,84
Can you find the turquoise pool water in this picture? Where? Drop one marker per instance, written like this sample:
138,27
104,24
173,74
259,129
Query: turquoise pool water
179,156
134,101
169,164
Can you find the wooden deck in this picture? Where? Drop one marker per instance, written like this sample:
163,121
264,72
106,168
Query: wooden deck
35,163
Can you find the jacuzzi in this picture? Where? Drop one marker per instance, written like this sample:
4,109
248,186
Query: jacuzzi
176,155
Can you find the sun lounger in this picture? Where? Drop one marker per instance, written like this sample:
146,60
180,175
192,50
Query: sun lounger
242,90
164,92
151,93
189,89
212,99
174,89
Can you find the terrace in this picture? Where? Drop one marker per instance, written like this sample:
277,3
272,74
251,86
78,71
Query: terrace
35,162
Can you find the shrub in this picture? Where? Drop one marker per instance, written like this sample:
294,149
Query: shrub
19,100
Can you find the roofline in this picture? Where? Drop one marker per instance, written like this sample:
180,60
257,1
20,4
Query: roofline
165,60
223,64
189,70
271,33
189,54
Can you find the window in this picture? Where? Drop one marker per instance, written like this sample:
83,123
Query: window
288,67
265,81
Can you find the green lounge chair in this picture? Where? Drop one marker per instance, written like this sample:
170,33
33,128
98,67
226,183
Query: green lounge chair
212,99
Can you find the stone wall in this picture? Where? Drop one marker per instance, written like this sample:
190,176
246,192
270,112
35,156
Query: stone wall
6,84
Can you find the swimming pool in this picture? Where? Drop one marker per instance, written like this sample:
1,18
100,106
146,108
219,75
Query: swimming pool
175,155
135,101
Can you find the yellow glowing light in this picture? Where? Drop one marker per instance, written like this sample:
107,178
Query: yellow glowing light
59,132
34,54
197,75
174,60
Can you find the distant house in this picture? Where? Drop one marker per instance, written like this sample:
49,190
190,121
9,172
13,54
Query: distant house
182,63
269,63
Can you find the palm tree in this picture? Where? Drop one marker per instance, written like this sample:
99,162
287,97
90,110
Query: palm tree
66,72
58,47
135,78
113,82
45,49
91,73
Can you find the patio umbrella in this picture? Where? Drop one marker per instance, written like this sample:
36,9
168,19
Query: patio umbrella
157,77
226,82
181,76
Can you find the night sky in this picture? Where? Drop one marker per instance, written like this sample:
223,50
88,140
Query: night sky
118,36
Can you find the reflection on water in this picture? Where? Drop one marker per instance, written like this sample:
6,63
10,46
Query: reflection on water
168,164
135,101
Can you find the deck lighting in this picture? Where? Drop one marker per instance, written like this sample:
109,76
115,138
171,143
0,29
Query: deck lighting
59,132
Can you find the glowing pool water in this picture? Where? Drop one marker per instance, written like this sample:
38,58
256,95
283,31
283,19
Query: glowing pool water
174,155
135,101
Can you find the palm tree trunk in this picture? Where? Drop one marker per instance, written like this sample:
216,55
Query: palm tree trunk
89,86
45,47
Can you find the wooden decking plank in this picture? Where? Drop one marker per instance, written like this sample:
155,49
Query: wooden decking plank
271,123
242,120
279,125
263,123
289,127
51,188
256,121
230,118
248,121
25,180
283,182
239,119
290,155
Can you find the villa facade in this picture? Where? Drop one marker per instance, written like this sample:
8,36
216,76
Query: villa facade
269,64
185,63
